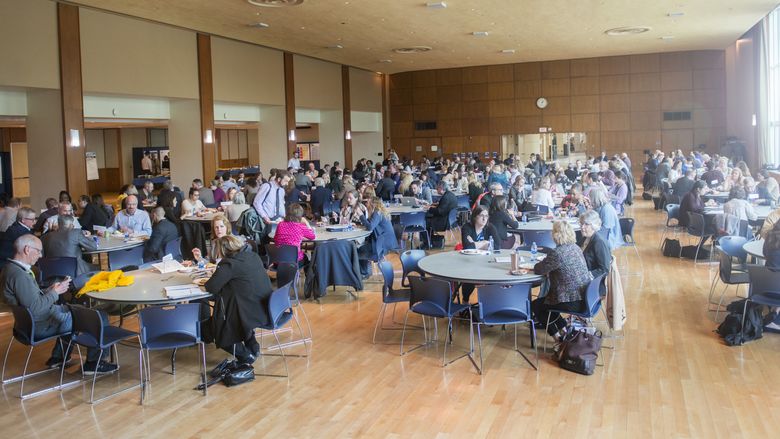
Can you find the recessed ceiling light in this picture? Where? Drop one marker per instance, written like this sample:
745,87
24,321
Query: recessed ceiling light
274,3
413,49
629,30
259,25
335,46
675,14
386,61
480,34
436,5
508,51
667,37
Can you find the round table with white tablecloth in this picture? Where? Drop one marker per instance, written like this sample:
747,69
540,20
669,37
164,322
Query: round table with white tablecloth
148,289
479,269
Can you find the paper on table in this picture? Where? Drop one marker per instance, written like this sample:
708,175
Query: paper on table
503,259
168,266
179,291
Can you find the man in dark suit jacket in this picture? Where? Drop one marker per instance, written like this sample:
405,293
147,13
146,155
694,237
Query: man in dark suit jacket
386,188
438,215
319,196
684,184
25,220
21,289
68,242
163,232
52,208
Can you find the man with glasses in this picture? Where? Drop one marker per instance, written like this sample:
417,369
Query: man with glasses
65,208
20,288
131,219
25,221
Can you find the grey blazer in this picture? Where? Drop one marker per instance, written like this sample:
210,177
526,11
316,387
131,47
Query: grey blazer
68,243
21,289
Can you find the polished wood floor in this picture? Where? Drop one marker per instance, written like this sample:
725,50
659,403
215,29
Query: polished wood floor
670,376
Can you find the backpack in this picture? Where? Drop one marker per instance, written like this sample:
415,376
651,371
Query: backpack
732,332
671,248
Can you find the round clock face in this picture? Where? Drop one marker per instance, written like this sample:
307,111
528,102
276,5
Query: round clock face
541,102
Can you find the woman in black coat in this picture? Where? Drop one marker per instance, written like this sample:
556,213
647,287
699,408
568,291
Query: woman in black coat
501,219
476,235
596,250
241,290
92,215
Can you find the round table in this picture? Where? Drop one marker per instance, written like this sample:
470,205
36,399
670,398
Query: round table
398,210
761,211
716,196
206,218
323,235
543,225
755,248
147,289
475,269
111,243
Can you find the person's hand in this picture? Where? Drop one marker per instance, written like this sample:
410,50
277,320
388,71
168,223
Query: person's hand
61,287
196,253
86,233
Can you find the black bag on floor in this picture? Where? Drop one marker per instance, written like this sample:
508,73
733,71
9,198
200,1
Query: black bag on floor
647,196
671,248
689,252
230,373
437,241
579,350
730,330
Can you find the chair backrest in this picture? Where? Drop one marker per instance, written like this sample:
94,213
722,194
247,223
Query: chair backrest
433,292
126,259
733,246
282,253
627,228
695,224
511,299
87,326
181,319
593,294
388,275
412,219
764,280
279,303
452,218
24,325
173,248
59,266
287,273
409,261
331,206
463,201
672,212
542,238
539,208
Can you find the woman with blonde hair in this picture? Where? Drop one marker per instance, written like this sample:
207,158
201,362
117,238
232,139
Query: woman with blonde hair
474,187
220,226
733,180
382,239
406,181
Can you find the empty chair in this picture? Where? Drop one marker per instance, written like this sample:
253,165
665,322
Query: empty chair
627,230
764,288
390,295
433,297
592,302
697,227
542,238
24,333
409,261
729,273
287,273
672,220
452,222
279,254
171,327
88,331
505,305
413,222
173,248
59,267
280,310
126,259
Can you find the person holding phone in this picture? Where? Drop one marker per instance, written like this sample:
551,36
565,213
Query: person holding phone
476,235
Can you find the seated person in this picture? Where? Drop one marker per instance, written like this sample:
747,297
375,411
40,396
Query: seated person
65,208
52,207
382,239
568,277
610,223
619,192
495,190
351,211
738,206
66,241
293,230
241,289
21,289
772,247
422,194
319,196
502,219
146,196
438,215
597,254
192,205
220,227
517,195
476,235
691,202
575,202
163,232
25,220
92,214
767,187
239,206
132,219
542,195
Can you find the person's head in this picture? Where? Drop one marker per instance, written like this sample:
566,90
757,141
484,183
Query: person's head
479,217
749,184
64,196
736,175
194,194
197,183
711,165
239,198
26,216
158,214
220,226
65,222
590,223
231,193
576,189
28,249
319,182
496,189
229,245
415,187
519,181
294,213
148,186
282,178
375,204
698,187
130,204
545,183
167,199
167,185
51,203
620,177
226,176
296,154
498,204
563,233
351,198
441,187
65,208
737,192
214,184
762,175
690,173
598,197
83,201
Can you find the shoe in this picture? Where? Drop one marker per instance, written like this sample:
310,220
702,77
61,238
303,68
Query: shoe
92,368
56,363
248,359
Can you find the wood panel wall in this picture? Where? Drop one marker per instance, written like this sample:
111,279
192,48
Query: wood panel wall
206,91
618,101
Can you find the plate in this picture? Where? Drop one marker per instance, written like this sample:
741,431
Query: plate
201,281
471,252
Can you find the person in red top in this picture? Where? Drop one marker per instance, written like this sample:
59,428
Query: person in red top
293,230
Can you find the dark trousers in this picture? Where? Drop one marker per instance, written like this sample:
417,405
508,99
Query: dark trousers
65,324
244,349
465,292
543,311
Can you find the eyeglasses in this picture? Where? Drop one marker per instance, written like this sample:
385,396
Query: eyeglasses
28,219
483,215
40,250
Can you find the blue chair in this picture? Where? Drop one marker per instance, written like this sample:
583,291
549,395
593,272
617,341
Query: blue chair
672,220
452,223
506,305
281,254
542,238
24,333
411,223
731,268
171,327
409,264
627,229
287,273
280,309
698,228
389,296
592,301
173,248
432,297
764,288
127,259
331,206
88,331
54,267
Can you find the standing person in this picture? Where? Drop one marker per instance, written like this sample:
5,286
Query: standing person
619,192
293,230
146,164
269,202
476,235
294,162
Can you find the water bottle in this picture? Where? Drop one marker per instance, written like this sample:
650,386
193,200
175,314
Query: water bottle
127,236
534,250
490,244
201,264
97,241
525,218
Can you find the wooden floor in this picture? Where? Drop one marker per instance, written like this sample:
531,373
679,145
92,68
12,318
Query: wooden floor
670,376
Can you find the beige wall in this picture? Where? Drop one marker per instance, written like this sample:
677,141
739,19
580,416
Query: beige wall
365,90
28,44
185,142
272,138
741,95
317,84
366,145
45,147
134,57
332,136
246,73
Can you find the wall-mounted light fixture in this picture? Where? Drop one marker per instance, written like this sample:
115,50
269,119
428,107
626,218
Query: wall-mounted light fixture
291,137
209,137
348,135
74,138
754,122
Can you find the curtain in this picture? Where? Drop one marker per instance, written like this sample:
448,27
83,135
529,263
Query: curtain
768,75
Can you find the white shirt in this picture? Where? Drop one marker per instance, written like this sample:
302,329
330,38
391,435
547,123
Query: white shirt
188,208
294,163
51,223
543,197
146,163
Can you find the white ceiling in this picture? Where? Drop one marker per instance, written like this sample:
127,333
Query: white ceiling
537,30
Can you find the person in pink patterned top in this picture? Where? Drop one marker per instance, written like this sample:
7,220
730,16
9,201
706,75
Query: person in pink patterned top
293,230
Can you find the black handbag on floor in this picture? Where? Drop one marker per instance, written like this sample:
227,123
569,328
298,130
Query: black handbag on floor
671,248
579,350
230,373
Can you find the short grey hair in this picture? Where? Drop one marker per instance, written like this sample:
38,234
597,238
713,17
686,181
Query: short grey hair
598,197
319,182
26,240
494,186
239,198
65,222
159,212
592,218
24,212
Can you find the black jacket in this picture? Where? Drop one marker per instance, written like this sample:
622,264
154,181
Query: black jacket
502,221
439,214
93,216
468,231
38,227
162,233
598,257
333,263
13,231
682,186
241,289
385,189
319,196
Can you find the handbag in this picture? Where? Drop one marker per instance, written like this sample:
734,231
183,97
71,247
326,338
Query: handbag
671,248
579,350
231,373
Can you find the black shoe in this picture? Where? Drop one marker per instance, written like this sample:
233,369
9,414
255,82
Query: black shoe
56,363
247,359
93,368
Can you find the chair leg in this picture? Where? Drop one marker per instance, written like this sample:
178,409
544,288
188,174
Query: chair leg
24,372
546,331
281,350
305,317
94,377
141,366
378,320
202,349
449,334
403,332
479,341
5,360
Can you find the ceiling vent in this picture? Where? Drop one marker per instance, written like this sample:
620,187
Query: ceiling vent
631,30
274,3
413,49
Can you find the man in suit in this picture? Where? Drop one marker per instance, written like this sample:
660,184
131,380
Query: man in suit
386,188
438,215
21,289
68,242
25,220
684,184
163,232
52,205
319,196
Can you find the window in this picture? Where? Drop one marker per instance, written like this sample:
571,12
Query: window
772,51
